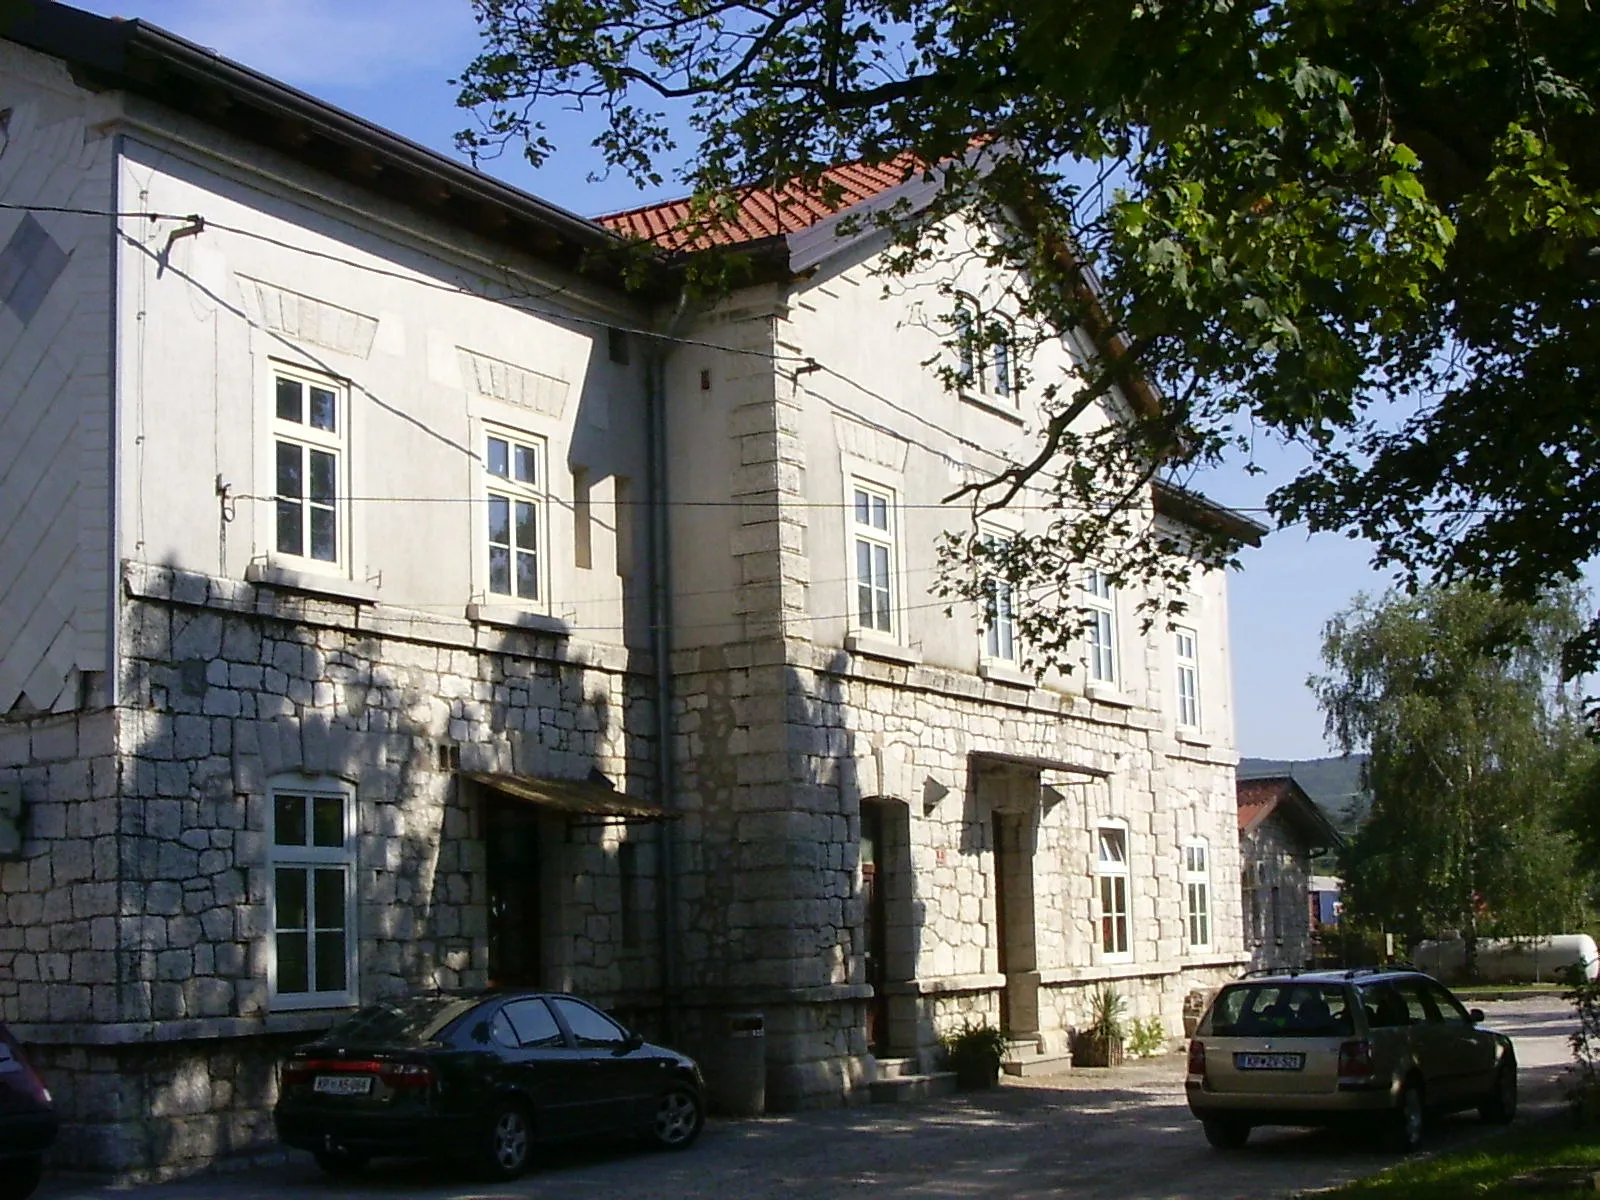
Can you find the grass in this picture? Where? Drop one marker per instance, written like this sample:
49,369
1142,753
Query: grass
1522,1162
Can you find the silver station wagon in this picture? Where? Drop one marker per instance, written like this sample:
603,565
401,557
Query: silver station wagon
1385,1047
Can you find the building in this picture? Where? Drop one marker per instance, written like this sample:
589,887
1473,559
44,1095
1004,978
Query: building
1281,829
391,599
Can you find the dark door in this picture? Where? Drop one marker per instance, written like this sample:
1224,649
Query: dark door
511,845
1000,886
873,926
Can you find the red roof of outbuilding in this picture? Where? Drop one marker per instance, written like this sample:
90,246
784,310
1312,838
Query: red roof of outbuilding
1258,799
762,212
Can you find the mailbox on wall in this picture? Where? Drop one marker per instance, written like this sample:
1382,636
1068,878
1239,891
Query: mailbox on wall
10,821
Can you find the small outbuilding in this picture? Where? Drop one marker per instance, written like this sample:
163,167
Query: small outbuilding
1281,830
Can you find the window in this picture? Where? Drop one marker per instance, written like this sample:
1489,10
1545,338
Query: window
308,435
1111,868
1188,677
1102,628
516,516
967,356
1000,621
1250,886
985,351
529,1023
589,1026
874,535
1197,893
313,897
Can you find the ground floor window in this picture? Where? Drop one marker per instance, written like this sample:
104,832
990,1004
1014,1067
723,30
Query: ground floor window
312,876
1111,871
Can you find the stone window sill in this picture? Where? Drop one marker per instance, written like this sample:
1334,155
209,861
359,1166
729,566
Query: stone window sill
993,407
999,670
291,579
1193,737
1107,693
512,617
869,646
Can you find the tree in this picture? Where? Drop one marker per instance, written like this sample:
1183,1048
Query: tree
1368,226
1474,747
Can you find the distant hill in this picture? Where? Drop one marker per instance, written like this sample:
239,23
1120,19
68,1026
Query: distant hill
1334,783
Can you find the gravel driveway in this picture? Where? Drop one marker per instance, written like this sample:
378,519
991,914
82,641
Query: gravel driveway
1119,1135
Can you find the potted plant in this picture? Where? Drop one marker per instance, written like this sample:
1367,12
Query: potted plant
974,1052
1100,1042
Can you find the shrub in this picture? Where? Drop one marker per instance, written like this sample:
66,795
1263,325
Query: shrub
1147,1037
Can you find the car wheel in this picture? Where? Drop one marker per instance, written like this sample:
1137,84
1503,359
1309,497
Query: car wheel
20,1178
1403,1126
1226,1134
1500,1105
507,1142
340,1162
679,1118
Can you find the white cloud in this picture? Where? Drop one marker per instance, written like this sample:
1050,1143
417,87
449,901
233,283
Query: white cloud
321,45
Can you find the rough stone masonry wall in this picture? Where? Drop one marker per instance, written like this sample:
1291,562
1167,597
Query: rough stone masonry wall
1280,862
779,744
141,905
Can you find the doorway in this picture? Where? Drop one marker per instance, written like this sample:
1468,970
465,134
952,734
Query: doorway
512,862
874,930
1015,942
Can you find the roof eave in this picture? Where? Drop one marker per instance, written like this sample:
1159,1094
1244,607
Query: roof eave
143,59
1191,508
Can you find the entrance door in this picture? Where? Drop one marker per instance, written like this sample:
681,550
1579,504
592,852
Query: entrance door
511,844
1015,943
873,925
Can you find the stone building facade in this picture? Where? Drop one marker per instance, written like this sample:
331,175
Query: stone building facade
382,611
1281,830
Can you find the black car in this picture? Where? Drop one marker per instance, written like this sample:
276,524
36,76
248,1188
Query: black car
28,1121
482,1078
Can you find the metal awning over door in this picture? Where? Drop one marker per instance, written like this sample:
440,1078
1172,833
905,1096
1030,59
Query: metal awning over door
572,797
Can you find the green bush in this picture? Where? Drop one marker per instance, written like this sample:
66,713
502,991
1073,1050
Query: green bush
1147,1037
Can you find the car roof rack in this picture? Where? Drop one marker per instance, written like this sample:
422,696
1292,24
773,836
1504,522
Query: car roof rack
1264,972
1381,969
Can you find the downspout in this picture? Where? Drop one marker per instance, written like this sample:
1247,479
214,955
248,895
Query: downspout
660,614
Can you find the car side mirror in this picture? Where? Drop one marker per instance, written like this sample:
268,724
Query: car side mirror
1475,1016
630,1043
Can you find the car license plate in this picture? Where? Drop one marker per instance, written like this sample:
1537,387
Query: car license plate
343,1085
1269,1062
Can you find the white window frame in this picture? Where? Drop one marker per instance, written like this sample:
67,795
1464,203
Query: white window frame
310,440
884,540
1001,643
512,491
1101,636
1197,894
1113,893
310,859
1186,652
986,366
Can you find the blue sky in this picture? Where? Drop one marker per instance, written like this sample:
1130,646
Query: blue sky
390,61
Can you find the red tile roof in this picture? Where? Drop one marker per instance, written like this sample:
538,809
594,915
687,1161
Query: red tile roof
762,212
1258,799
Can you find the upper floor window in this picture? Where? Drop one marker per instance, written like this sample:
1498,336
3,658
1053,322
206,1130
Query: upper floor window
1197,893
1111,871
985,351
1000,615
516,502
1100,598
873,532
309,434
312,875
1188,658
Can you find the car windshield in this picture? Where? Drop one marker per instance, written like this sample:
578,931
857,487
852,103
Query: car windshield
1283,1009
409,1022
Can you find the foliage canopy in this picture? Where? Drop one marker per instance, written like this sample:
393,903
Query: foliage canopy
1371,227
1474,751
